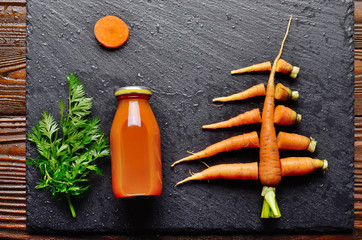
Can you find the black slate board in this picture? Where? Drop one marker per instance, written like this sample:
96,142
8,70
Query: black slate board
183,51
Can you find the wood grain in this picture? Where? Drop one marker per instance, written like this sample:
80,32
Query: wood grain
12,119
12,131
358,114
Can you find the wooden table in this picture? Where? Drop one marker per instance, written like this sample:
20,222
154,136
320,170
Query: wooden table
12,130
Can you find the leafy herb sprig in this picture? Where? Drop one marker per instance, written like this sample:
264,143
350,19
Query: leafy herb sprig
67,153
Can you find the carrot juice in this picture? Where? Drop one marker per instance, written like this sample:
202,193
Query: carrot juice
135,145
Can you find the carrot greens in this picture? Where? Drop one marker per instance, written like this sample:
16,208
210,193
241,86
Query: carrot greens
67,152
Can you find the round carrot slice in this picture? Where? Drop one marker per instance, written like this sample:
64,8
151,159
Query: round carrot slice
111,32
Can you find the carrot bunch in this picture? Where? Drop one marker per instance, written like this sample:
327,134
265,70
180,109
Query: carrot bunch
270,169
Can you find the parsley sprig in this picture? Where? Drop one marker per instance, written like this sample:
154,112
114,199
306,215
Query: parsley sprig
67,152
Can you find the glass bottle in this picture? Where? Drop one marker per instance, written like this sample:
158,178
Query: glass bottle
135,145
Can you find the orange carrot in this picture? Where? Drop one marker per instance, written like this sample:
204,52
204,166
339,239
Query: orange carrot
235,171
269,164
282,67
283,93
249,140
294,166
111,32
286,116
254,91
287,68
292,141
249,117
259,67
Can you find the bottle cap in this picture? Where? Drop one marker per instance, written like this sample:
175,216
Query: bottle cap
132,90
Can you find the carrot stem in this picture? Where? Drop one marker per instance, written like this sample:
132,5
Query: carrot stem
295,95
294,72
325,166
270,206
71,206
312,145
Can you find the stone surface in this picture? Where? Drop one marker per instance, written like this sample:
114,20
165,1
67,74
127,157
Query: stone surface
183,51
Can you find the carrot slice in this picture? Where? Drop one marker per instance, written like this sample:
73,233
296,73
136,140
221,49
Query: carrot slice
111,32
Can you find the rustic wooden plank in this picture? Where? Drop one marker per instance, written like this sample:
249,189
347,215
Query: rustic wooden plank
358,164
19,183
12,138
13,211
11,234
12,185
12,193
13,225
18,41
13,13
13,149
358,13
13,198
12,91
15,174
358,67
12,160
12,177
358,87
12,204
8,162
13,2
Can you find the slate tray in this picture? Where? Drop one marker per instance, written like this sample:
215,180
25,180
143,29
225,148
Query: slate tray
183,51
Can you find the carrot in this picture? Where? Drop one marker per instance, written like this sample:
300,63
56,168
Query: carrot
269,164
283,93
292,141
249,117
111,32
250,140
282,67
286,116
259,67
235,171
293,166
254,91
287,68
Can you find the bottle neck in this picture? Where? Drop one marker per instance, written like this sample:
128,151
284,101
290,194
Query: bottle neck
133,96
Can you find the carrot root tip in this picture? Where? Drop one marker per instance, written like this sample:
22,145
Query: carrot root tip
177,162
209,126
188,158
295,95
219,99
236,71
181,182
294,72
312,145
270,206
298,118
